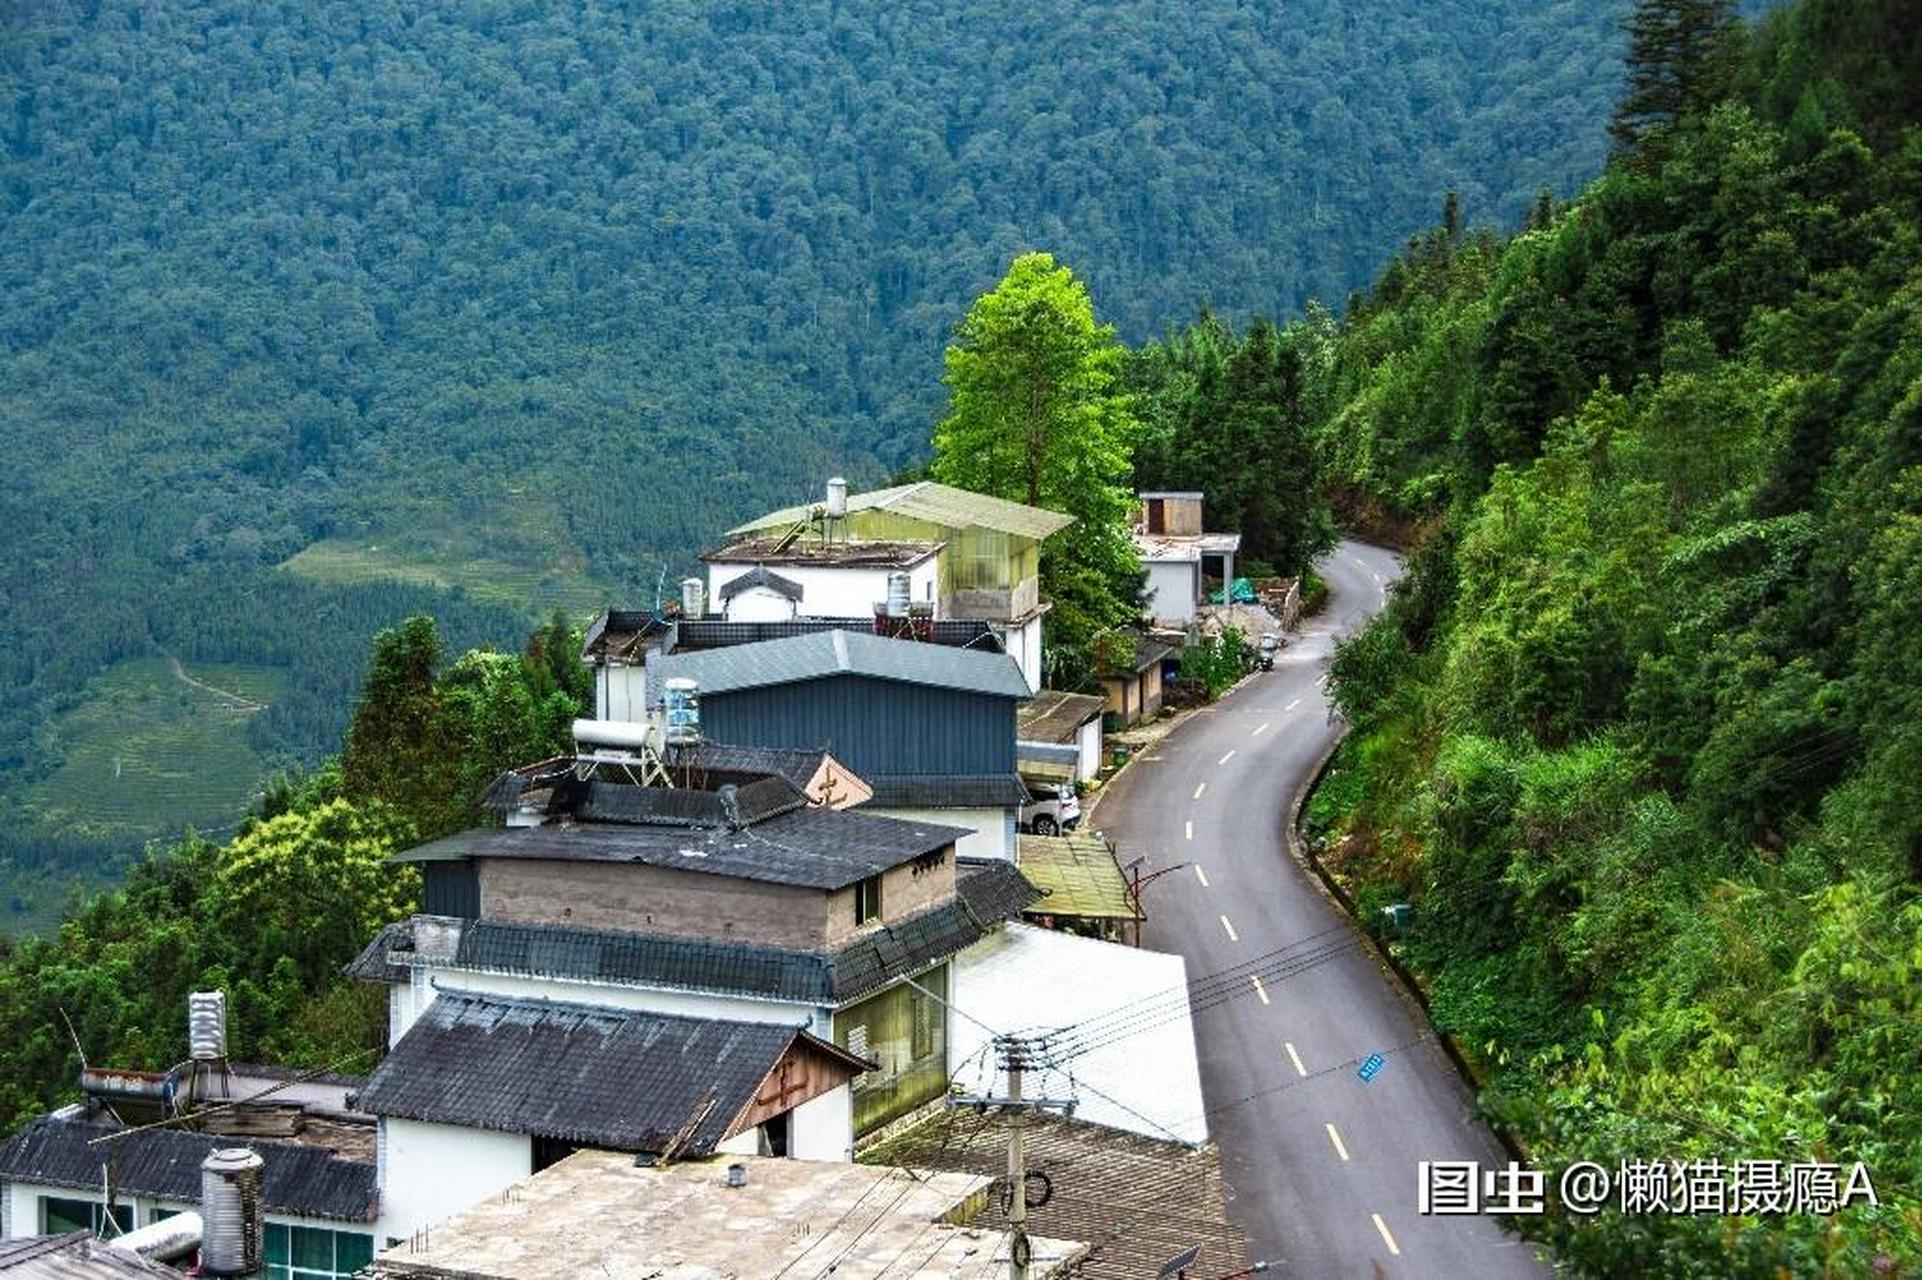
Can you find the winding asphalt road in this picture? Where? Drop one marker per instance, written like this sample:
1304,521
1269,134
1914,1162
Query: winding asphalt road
1322,1165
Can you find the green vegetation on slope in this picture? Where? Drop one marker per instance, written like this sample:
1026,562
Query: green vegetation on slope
1638,736
514,291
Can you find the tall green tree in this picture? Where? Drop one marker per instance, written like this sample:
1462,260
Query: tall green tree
1036,416
1682,56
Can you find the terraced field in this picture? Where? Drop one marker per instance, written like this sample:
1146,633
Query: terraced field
342,561
154,748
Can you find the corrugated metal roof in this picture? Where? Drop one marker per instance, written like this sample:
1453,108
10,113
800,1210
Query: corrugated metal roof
306,1181
946,791
938,504
581,1073
809,848
830,653
1080,876
1054,716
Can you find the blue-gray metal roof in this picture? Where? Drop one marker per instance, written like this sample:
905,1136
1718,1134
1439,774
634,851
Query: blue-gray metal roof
833,653
588,1074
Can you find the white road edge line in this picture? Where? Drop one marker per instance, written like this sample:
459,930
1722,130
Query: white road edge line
1198,790
1386,1239
1225,759
1335,1138
1294,1057
1259,729
1201,875
1259,989
1232,935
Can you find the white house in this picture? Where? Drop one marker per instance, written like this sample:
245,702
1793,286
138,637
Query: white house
1179,556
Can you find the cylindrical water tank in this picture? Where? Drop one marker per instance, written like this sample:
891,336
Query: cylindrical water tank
681,701
230,1241
900,595
837,504
617,735
693,598
207,1026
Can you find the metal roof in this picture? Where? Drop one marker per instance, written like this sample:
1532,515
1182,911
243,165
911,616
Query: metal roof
1080,876
1054,716
938,504
582,1073
300,1179
946,791
808,848
821,654
761,576
854,553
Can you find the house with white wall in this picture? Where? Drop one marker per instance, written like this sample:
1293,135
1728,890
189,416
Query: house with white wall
921,549
1180,557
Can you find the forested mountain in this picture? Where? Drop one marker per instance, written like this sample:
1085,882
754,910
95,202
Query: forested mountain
312,314
1638,736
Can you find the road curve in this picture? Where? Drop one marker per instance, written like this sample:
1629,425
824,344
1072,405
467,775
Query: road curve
1321,1165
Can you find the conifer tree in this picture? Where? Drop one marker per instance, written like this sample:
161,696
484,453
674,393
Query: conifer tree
1681,57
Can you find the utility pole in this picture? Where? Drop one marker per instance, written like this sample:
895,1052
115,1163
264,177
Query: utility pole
1017,1055
1018,1248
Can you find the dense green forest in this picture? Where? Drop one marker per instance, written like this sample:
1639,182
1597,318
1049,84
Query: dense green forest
314,315
1638,735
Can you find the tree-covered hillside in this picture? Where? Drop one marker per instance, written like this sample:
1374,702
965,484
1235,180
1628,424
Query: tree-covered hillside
1637,738
315,313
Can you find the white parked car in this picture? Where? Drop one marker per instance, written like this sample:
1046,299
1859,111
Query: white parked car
1051,810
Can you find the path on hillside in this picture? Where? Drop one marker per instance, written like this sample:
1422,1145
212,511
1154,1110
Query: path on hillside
1322,1165
240,700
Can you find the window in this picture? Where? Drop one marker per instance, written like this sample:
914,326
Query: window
315,1253
59,1215
867,900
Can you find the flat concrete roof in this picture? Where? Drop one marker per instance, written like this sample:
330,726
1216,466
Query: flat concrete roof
1177,546
596,1213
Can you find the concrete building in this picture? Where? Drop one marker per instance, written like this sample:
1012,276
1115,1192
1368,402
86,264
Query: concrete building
958,555
1058,737
1131,678
1180,557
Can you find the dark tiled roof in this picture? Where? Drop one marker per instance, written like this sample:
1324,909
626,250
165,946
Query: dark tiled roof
796,764
554,951
1053,716
946,791
1147,652
622,633
581,1073
76,1254
809,848
761,576
820,654
373,963
985,895
165,1163
994,891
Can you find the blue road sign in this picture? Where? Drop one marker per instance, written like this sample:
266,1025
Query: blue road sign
1371,1068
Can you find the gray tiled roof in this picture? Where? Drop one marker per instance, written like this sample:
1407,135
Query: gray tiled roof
302,1180
946,791
820,654
810,848
1054,716
797,765
985,895
761,576
588,1074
